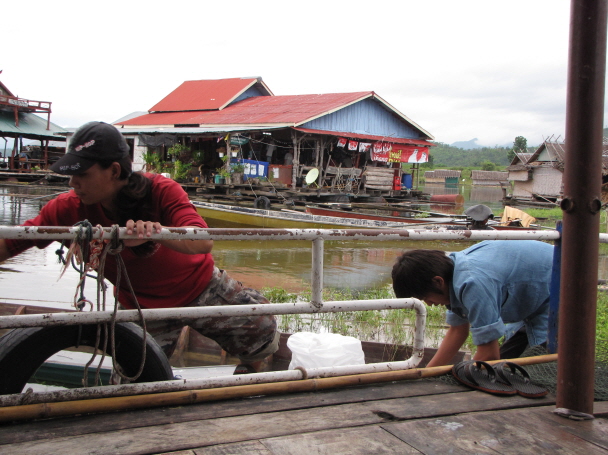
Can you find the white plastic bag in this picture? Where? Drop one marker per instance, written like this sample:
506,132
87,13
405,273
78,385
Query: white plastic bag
315,350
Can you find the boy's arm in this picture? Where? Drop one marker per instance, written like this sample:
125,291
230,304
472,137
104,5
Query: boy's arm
454,338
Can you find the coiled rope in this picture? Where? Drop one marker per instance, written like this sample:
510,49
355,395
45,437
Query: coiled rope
96,252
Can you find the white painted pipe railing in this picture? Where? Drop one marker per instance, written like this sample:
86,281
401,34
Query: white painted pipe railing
88,393
193,313
228,381
59,233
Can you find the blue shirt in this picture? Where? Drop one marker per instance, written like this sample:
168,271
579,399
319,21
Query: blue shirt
498,282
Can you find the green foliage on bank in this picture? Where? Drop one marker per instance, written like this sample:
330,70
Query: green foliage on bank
392,326
601,336
445,155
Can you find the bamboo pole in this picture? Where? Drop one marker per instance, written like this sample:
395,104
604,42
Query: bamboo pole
49,410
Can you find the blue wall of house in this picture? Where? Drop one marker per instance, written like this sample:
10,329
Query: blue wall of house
251,91
365,117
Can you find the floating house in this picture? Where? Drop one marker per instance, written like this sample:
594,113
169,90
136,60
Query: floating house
490,178
443,176
353,142
18,121
539,176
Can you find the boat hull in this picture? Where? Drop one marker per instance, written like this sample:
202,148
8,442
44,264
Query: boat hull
368,216
234,216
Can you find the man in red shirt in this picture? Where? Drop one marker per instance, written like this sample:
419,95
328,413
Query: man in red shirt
162,273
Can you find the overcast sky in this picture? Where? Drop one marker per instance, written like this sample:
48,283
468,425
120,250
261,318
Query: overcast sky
488,69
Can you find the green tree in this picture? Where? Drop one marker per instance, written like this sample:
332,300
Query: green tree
488,166
520,144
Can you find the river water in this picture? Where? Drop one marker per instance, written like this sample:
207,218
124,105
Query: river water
33,277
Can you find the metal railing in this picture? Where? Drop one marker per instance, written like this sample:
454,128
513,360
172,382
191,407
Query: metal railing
316,236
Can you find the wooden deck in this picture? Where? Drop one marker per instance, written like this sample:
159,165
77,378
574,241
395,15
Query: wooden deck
422,416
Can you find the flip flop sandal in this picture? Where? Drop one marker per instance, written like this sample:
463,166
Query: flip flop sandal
470,373
514,375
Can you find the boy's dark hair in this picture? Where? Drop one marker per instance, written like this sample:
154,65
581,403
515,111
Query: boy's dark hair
414,271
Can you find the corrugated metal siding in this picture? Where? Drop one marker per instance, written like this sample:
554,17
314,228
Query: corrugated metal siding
355,113
366,117
250,92
291,110
202,95
30,126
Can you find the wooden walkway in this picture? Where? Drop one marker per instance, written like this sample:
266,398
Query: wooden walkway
422,416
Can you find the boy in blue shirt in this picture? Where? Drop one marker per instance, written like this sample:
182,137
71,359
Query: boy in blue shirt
484,288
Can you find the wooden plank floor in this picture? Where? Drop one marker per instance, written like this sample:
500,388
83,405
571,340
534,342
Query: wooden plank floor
429,417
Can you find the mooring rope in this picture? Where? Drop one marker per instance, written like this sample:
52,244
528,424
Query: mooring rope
114,248
87,255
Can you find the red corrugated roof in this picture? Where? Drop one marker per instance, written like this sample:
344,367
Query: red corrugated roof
260,110
394,140
203,95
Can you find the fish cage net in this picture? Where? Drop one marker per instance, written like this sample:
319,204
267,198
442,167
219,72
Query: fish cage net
545,374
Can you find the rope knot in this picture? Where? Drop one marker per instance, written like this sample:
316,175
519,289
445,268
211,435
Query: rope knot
116,245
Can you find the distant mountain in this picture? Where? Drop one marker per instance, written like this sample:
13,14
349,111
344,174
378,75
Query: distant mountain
467,145
472,144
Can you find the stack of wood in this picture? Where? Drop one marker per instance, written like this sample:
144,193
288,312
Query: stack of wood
379,178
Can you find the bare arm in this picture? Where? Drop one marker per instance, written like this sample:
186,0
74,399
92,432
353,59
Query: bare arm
144,229
452,342
488,351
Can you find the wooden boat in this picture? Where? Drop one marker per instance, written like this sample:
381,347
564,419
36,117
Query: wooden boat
194,356
234,216
347,212
442,221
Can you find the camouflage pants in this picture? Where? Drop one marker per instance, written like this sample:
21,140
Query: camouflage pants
250,338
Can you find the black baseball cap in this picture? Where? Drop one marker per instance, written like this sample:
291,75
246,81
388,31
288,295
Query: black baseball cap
91,143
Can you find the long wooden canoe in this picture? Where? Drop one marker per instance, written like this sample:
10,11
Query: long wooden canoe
234,216
360,215
458,222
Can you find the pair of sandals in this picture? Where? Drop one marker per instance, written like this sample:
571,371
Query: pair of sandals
504,378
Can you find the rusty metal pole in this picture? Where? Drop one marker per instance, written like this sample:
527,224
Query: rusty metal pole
581,205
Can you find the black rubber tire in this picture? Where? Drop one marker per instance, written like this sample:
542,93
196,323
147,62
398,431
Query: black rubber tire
24,350
261,202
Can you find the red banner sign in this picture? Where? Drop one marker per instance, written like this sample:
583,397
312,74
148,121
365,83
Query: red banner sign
399,153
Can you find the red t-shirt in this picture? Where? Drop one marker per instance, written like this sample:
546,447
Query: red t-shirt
165,279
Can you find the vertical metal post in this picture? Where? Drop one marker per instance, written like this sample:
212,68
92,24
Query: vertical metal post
581,205
317,273
554,294
296,158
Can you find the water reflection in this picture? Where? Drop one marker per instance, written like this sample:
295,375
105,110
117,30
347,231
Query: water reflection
352,265
287,264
